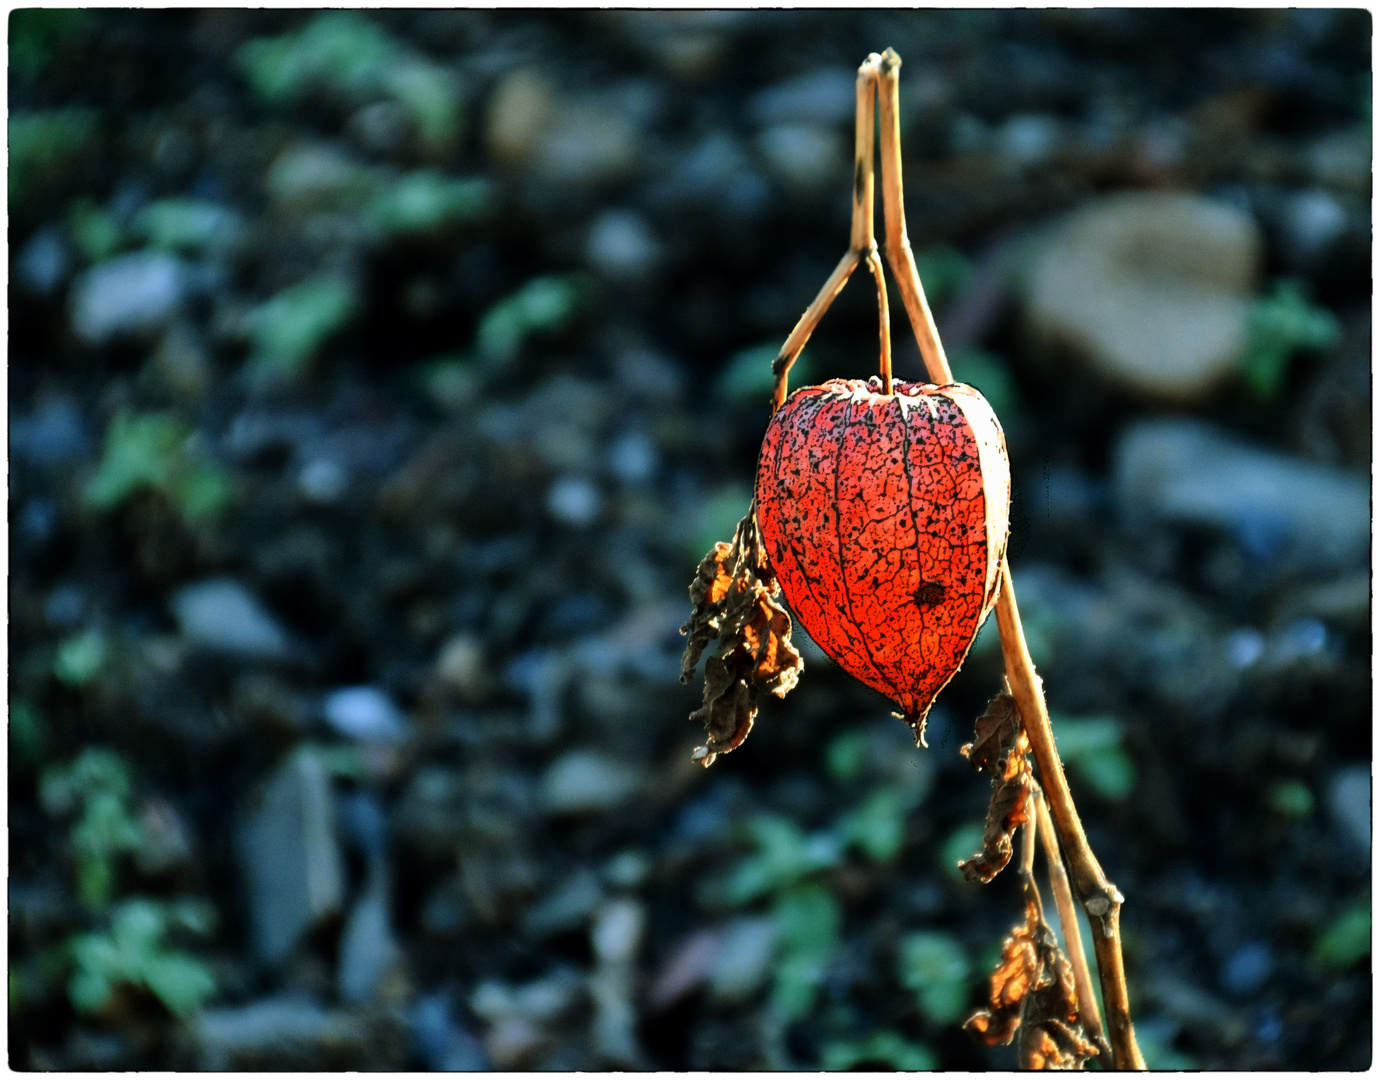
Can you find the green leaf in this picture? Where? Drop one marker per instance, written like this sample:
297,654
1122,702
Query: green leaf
95,231
340,50
543,305
181,982
1278,326
452,382
716,519
26,732
878,825
944,271
45,144
747,376
990,374
933,966
187,224
1346,939
36,36
807,926
846,755
425,200
885,1047
141,450
288,330
430,95
79,658
1092,747
783,855
1291,798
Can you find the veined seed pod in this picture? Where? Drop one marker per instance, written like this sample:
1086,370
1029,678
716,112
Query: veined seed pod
885,519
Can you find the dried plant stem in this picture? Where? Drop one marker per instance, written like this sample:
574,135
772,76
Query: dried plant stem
862,244
1068,920
883,317
1100,897
1026,870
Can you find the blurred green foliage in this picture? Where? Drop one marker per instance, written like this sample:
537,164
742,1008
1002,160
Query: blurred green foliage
153,450
963,843
1346,939
747,377
347,55
944,272
1278,326
43,144
877,825
783,855
1154,1037
716,518
132,952
933,966
883,1048
544,305
1091,746
187,225
94,789
1291,798
289,329
94,230
424,200
37,35
27,737
79,658
807,919
990,374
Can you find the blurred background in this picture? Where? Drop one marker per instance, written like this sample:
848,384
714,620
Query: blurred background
377,380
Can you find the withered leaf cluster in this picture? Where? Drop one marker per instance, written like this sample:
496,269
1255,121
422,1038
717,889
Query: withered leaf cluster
1000,748
737,604
1033,999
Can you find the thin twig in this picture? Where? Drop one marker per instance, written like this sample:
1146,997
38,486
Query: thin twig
861,241
1101,899
1068,921
883,317
898,251
1026,870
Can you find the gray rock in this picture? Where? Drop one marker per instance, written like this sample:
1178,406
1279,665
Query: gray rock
617,931
806,156
222,615
291,856
368,949
1151,288
364,713
567,907
44,263
131,294
52,434
586,782
622,246
1349,800
574,500
825,96
742,963
1277,507
1248,968
616,936
273,1030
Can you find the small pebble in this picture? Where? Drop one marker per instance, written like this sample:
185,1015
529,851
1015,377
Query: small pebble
44,263
323,480
742,964
621,245
1349,800
574,500
131,294
1247,969
364,713
632,457
585,782
222,615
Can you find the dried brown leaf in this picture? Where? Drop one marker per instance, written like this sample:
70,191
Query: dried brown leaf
999,748
737,603
1032,994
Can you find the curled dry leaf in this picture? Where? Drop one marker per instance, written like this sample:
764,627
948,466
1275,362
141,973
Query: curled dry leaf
737,603
1032,994
1000,748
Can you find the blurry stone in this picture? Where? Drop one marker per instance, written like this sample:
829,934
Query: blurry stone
716,172
621,245
1248,968
806,156
1244,648
323,480
291,856
44,263
317,177
521,108
131,294
50,435
616,936
632,457
685,969
543,675
461,666
182,360
587,782
1349,800
1313,221
1152,288
222,615
166,846
742,964
649,374
368,949
1277,507
1297,640
628,869
276,1032
574,500
825,97
444,1044
590,142
381,128
567,907
519,1015
364,713
1028,139
65,606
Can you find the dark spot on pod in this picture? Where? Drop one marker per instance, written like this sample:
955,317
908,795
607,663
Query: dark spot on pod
930,593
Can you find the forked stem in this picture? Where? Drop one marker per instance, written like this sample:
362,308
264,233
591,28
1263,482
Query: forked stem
883,317
1068,921
1101,899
